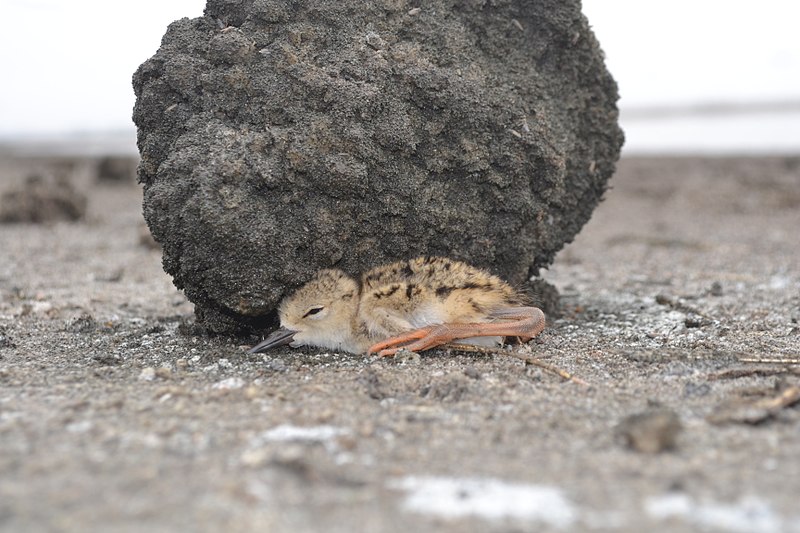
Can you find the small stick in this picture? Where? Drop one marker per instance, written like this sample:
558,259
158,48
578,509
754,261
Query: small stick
527,358
787,361
785,399
735,373
548,367
758,411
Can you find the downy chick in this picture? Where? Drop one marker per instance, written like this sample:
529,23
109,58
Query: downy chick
416,305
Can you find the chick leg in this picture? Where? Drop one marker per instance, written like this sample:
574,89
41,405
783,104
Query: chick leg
523,322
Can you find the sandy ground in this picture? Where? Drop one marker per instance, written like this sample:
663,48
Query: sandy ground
681,301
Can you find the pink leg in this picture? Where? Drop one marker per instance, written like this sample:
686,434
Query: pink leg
524,322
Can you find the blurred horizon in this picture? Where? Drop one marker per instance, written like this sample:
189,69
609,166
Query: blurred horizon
760,128
711,77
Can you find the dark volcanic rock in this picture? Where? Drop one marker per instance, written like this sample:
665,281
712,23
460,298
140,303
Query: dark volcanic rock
42,200
279,137
116,169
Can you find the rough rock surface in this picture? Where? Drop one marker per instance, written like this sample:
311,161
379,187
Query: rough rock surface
278,138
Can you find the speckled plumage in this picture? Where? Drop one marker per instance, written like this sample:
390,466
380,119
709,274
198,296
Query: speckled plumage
336,312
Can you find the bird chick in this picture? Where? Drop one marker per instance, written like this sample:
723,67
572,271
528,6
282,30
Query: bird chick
416,305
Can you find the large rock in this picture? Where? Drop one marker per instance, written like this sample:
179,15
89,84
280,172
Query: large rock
279,137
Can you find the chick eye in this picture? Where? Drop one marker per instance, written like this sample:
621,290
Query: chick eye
313,311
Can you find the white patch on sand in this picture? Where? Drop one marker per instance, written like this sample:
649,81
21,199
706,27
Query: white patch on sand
749,514
287,432
229,384
259,451
490,499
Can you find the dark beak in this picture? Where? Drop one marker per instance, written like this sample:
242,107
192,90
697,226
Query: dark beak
279,337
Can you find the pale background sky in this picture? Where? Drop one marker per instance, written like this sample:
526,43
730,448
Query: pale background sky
67,67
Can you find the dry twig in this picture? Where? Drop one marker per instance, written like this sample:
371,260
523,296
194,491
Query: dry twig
529,359
756,412
735,373
778,360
